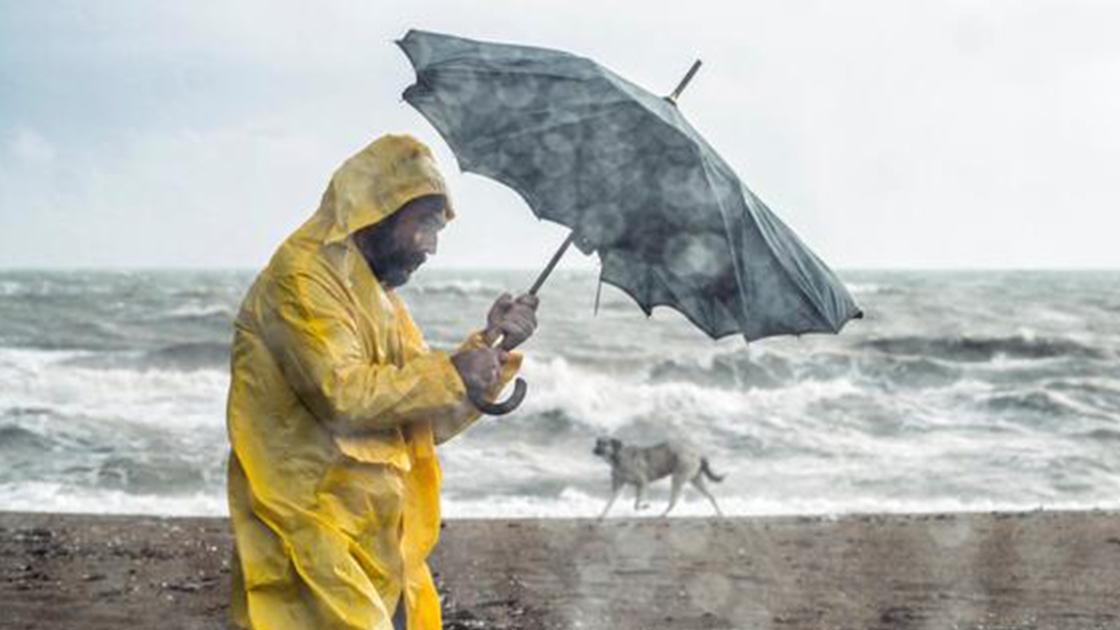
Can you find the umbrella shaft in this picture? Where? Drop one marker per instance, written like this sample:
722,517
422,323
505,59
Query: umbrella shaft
552,264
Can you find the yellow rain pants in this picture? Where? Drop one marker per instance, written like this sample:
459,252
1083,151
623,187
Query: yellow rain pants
335,406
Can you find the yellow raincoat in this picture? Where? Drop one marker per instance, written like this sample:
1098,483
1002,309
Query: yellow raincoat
335,405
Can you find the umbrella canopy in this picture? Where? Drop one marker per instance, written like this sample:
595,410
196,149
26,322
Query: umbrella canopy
672,223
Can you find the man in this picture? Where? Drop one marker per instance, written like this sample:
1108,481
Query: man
336,403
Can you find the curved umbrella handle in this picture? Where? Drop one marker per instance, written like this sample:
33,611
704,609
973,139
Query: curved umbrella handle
520,387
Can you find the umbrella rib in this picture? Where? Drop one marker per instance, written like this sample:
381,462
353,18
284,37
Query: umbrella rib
443,66
636,96
739,281
795,278
781,263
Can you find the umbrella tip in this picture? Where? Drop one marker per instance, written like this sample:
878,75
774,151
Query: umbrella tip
672,98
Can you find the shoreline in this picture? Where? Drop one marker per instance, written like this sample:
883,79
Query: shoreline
1038,569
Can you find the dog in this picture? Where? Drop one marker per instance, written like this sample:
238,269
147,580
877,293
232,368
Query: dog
640,466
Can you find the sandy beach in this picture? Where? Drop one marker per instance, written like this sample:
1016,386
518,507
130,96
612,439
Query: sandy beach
993,571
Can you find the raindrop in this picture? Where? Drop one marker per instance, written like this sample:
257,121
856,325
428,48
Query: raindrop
555,155
709,591
602,224
517,92
699,257
686,540
682,187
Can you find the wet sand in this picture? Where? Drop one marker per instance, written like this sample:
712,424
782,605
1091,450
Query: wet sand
993,571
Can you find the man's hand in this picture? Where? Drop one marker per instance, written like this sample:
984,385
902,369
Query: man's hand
515,319
480,368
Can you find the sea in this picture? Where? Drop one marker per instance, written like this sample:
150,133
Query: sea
959,391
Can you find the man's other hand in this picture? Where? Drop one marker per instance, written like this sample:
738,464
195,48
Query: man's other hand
516,319
480,368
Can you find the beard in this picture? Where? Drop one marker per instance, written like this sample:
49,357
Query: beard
394,268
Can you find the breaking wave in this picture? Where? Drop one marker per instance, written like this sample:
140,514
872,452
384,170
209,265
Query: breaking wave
220,312
459,287
188,356
180,357
984,348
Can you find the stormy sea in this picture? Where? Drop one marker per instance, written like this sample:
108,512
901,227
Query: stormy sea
958,391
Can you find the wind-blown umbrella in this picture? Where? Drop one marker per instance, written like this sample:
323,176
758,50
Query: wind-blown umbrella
672,223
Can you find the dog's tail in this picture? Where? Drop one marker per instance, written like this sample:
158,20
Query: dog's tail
708,471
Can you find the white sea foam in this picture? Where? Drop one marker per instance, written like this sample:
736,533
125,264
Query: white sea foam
200,310
459,287
575,504
865,287
608,401
46,380
39,496
53,497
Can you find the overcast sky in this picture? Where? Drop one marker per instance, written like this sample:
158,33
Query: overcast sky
886,133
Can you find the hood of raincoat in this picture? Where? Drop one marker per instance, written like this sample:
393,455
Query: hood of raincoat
376,182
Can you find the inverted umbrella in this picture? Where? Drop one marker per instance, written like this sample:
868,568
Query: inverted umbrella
672,223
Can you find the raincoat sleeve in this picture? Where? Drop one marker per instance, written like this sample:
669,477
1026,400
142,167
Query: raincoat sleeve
313,333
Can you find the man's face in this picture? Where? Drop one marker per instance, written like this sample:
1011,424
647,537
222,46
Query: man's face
397,246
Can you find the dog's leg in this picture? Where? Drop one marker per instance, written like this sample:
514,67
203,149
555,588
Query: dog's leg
698,481
674,494
616,488
639,491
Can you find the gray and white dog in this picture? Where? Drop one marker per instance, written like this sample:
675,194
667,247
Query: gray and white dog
639,466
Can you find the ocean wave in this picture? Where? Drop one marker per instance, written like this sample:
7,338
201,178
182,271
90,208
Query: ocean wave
568,503
1102,435
1101,386
1034,401
863,288
200,311
1102,393
737,370
52,381
180,357
66,332
574,503
741,370
459,287
891,372
18,439
1048,404
603,402
188,356
53,496
976,349
150,473
35,443
543,427
608,401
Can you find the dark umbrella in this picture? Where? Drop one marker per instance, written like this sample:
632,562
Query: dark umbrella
672,223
